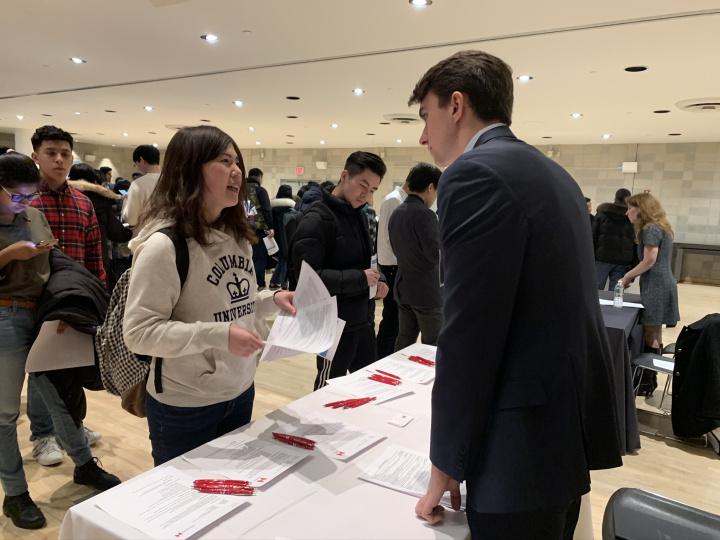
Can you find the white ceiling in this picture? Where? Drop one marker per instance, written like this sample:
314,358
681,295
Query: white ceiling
148,52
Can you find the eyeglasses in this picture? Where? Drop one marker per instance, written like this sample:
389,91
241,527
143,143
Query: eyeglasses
19,197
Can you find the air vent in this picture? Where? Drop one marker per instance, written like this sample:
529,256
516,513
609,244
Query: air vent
700,105
403,118
174,127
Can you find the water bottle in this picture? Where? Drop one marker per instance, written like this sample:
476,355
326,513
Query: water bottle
619,291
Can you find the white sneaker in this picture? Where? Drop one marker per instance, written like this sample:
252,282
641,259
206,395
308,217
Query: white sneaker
92,436
46,451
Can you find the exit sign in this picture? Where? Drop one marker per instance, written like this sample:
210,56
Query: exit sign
299,170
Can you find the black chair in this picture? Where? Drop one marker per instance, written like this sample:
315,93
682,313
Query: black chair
634,514
646,360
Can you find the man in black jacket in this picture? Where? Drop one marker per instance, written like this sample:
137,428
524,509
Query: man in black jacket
262,222
333,238
614,240
415,241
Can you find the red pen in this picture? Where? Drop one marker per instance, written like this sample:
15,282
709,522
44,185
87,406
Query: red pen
361,402
421,360
388,374
216,483
227,490
337,404
292,440
384,380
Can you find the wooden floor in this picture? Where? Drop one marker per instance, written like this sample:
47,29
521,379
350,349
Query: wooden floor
677,471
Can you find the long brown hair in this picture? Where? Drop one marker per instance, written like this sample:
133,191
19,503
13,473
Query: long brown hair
650,212
179,191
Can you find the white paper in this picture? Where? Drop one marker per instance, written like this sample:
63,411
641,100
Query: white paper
625,304
359,385
416,349
406,370
163,504
332,437
241,457
407,471
271,245
59,351
374,266
313,328
665,364
330,353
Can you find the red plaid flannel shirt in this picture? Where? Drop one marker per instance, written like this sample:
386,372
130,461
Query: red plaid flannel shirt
72,220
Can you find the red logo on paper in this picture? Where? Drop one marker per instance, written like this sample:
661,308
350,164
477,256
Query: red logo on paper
178,535
259,480
340,454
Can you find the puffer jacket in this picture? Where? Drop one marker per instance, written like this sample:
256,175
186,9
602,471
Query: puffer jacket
613,236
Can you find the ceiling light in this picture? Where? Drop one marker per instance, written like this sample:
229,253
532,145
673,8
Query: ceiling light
421,3
546,137
210,38
636,69
78,60
155,145
205,120
371,134
524,78
251,128
358,91
293,98
334,126
237,103
148,108
152,132
322,142
20,117
399,140
674,134
258,143
289,142
125,134
576,115
110,111
43,114
607,136
291,116
289,135
661,111
77,113
384,123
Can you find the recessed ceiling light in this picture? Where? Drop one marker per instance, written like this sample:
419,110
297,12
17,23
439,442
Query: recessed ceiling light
636,69
371,134
152,132
210,38
78,61
524,78
20,117
291,117
251,128
110,111
289,135
322,142
421,3
607,136
661,111
148,108
399,140
43,114
674,134
576,115
238,103
77,113
546,137
113,145
289,142
205,120
384,123
100,133
258,143
334,126
125,134
293,98
358,91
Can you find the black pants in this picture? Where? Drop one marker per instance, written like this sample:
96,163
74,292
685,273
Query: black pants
388,330
355,351
552,523
260,257
414,321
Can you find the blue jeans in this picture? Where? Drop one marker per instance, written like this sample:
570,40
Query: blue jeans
613,272
16,336
41,424
177,430
279,275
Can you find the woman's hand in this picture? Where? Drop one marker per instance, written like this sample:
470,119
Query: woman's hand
626,281
243,342
24,250
284,300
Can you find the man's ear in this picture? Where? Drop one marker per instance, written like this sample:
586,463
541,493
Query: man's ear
344,175
34,156
457,103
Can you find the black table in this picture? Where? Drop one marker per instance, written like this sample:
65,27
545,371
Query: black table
625,336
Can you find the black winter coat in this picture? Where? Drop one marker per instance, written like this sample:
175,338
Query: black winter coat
340,261
73,295
613,236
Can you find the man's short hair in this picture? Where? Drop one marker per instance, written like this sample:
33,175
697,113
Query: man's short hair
588,199
421,176
105,170
358,161
622,194
327,183
50,133
255,173
149,153
485,79
136,175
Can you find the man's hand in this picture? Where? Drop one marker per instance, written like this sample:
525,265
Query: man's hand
372,277
428,507
24,250
271,233
382,290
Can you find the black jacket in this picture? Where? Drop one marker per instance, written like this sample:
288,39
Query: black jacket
696,381
613,236
415,240
340,261
264,201
73,295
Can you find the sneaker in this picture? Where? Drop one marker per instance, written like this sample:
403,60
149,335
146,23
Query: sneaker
91,474
274,287
23,512
92,436
46,451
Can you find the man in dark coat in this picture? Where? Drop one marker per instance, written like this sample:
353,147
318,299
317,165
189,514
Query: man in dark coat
262,222
522,405
614,240
333,238
415,241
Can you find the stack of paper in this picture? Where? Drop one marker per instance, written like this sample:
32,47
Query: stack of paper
359,385
406,370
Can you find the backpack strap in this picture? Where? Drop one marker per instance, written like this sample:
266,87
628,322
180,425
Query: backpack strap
182,263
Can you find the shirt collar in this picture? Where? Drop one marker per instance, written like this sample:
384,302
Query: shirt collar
403,194
44,188
474,140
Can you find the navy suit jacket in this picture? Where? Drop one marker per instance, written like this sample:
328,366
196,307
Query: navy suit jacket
523,405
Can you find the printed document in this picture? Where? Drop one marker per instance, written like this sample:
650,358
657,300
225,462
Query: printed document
604,302
416,349
406,370
59,351
241,457
163,504
407,471
359,385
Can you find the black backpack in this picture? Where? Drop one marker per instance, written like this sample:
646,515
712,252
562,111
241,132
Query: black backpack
291,221
120,368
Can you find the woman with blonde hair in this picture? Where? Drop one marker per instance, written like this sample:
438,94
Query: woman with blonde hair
658,288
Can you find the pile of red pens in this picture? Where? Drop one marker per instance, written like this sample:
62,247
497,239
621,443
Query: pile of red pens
224,487
394,381
350,403
292,440
421,360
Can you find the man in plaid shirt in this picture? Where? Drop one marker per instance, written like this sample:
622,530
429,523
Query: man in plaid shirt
70,213
72,220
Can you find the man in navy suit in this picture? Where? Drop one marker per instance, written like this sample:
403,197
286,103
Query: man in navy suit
522,406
